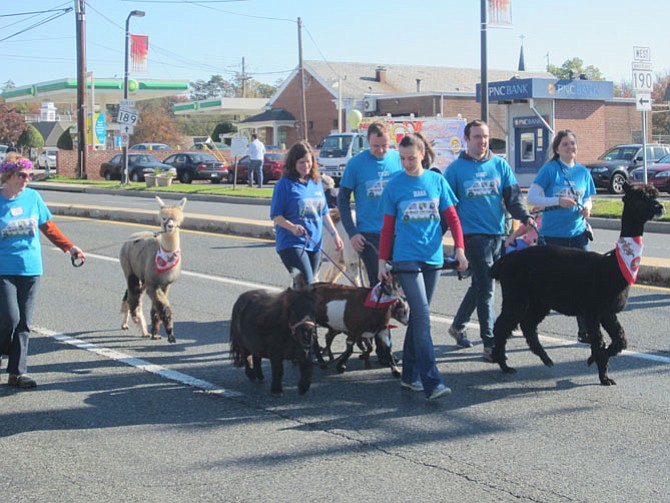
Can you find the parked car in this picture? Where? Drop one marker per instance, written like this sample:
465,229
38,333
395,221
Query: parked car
658,174
198,166
138,166
47,159
212,145
3,151
150,146
273,164
613,167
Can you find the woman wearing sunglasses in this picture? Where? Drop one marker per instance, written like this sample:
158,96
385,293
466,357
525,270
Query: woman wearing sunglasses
22,213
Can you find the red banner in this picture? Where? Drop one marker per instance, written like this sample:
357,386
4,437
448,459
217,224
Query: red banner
139,52
500,14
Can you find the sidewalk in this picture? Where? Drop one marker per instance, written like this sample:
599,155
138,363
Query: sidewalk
653,270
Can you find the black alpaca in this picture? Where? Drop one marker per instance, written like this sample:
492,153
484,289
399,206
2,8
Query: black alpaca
572,282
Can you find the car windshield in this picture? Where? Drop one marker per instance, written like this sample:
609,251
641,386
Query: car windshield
274,157
620,154
144,159
336,145
665,159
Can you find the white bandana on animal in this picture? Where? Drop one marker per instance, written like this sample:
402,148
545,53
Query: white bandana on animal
166,260
629,255
379,299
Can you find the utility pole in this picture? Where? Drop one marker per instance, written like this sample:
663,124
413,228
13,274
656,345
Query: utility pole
301,74
484,70
81,87
244,80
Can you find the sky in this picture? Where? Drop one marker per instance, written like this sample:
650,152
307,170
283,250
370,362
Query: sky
191,40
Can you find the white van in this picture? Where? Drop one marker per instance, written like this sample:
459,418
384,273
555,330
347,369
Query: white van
336,151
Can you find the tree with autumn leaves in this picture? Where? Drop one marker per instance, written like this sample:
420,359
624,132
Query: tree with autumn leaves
12,124
157,123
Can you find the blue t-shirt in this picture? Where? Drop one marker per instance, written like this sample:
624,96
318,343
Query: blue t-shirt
20,218
564,222
367,176
479,185
416,202
299,203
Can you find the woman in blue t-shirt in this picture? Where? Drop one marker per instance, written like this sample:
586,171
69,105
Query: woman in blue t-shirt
299,211
564,189
412,203
22,215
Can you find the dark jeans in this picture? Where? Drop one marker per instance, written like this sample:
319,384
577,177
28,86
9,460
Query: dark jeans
481,251
580,242
17,301
370,256
307,262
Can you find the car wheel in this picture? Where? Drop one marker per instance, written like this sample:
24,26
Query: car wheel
108,176
135,177
216,180
616,183
186,177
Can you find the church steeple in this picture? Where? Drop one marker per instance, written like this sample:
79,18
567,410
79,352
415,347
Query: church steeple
522,62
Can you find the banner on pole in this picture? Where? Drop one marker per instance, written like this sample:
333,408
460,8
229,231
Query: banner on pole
139,51
500,14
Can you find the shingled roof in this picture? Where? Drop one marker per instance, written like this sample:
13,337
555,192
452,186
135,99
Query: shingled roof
359,79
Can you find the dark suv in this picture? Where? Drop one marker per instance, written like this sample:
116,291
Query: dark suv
613,168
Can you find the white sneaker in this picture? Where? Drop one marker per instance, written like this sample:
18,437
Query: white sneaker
460,337
414,386
439,392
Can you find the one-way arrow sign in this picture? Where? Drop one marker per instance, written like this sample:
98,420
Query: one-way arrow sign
643,102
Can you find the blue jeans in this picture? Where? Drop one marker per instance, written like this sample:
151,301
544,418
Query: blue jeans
580,242
481,251
418,357
17,302
307,262
256,172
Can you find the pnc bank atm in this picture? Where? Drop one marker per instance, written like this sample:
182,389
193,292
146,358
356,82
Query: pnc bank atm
531,144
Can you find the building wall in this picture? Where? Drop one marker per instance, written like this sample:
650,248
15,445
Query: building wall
321,109
588,120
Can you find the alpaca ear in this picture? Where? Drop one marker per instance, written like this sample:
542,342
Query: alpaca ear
182,203
298,279
160,202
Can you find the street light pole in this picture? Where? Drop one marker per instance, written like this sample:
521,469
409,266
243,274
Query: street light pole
135,13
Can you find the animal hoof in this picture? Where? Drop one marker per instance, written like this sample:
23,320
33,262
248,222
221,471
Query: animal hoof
124,327
171,339
607,382
508,370
548,362
341,369
155,337
303,389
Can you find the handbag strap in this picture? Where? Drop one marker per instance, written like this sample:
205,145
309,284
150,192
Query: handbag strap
572,187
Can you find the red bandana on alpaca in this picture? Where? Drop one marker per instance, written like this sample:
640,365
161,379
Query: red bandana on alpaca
166,260
629,255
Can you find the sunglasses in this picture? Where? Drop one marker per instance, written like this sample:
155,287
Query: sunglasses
25,176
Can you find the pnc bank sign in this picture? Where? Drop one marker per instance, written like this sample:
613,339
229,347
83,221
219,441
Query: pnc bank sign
519,89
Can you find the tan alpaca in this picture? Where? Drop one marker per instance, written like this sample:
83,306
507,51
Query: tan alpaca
151,262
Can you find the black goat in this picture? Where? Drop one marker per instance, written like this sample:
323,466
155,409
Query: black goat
574,282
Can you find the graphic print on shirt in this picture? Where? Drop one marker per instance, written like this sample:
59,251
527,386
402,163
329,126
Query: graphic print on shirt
310,208
374,188
482,188
23,227
419,209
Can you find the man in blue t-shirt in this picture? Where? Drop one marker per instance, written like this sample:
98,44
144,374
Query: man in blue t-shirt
366,175
482,182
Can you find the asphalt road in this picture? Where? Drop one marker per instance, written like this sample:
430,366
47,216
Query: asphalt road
120,418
